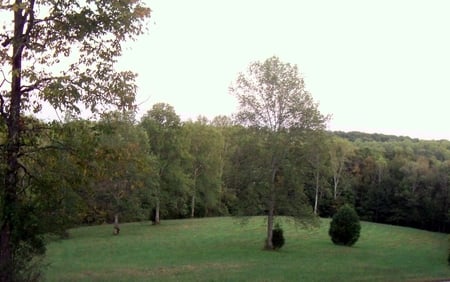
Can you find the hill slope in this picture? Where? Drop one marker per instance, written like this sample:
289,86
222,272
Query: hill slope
218,249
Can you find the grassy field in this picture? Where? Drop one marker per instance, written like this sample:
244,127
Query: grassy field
221,249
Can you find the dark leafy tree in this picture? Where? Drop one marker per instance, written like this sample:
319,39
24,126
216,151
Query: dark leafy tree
36,37
169,146
122,169
345,227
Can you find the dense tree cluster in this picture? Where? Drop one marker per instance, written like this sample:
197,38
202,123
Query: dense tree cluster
388,179
95,170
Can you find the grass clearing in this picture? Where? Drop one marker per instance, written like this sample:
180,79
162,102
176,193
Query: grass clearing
221,249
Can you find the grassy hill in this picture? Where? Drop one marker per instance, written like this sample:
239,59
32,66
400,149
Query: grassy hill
221,249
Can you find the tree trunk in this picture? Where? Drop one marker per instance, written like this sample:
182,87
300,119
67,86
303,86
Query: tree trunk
116,224
336,177
9,195
271,211
270,219
335,182
157,213
193,205
6,266
316,198
193,193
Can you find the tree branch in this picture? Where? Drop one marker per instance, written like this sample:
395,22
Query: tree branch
34,86
2,100
31,23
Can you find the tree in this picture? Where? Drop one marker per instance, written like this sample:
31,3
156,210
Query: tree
204,166
170,148
37,36
317,156
230,134
273,100
345,227
340,152
121,168
57,167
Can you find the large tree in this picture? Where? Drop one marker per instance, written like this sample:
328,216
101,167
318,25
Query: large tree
204,166
122,169
273,100
37,36
170,148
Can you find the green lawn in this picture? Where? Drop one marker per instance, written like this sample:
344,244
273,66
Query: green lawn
221,249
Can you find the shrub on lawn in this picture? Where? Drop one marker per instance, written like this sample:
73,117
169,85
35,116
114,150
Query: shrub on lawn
448,257
345,226
277,237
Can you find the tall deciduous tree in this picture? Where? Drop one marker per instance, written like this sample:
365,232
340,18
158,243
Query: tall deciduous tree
340,152
169,146
36,36
205,164
317,152
273,99
121,168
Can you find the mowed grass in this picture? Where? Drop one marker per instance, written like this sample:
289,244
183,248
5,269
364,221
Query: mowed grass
221,249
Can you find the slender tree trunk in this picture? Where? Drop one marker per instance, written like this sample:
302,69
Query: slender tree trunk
194,192
316,198
193,205
157,220
336,178
9,195
270,220
335,182
271,212
116,224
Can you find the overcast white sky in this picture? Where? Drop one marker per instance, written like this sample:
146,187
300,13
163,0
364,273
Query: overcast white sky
376,66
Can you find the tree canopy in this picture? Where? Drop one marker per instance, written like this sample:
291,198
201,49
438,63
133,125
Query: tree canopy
273,100
62,53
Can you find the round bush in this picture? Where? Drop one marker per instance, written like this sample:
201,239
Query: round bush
345,226
277,237
448,257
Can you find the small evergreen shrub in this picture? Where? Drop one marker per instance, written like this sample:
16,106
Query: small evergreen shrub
345,226
277,237
448,257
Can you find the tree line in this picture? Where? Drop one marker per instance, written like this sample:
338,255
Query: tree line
91,172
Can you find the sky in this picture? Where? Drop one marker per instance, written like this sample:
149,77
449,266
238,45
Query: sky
376,66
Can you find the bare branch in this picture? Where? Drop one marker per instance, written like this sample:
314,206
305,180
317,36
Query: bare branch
2,100
4,78
7,41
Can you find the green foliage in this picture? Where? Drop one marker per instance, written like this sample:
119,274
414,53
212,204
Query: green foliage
277,237
169,145
121,169
345,227
204,167
448,247
37,36
274,103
